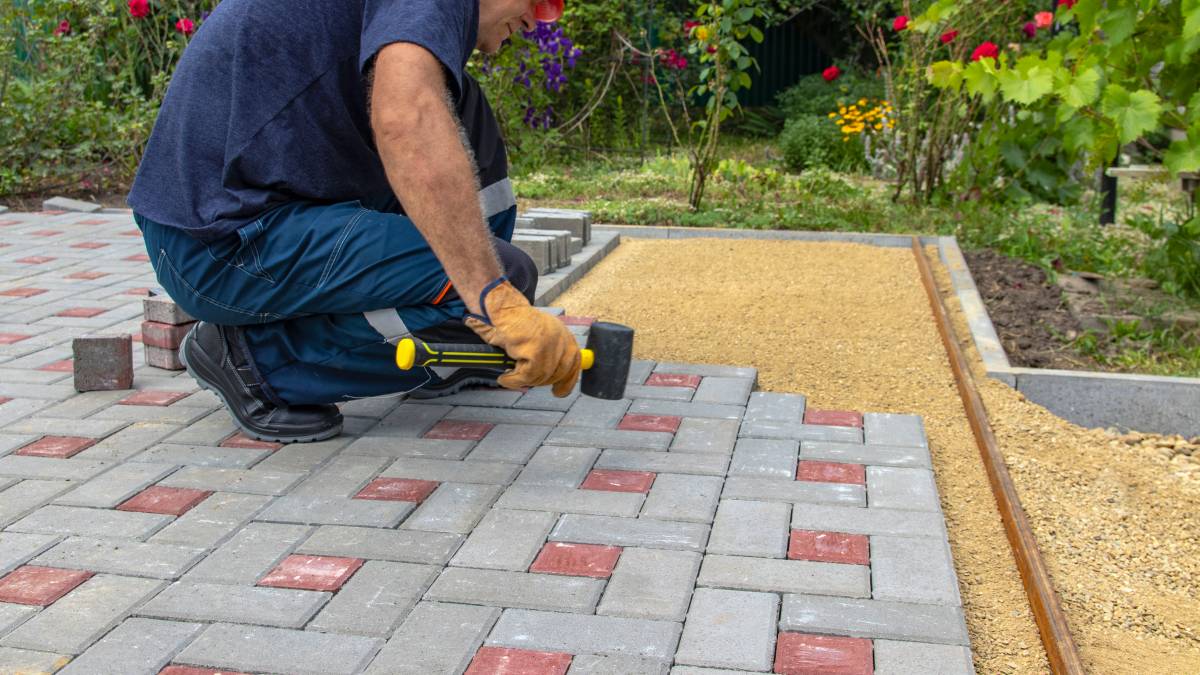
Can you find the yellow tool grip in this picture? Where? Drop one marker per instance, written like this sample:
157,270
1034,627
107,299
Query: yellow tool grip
411,353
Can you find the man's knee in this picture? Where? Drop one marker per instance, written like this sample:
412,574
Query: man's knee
518,267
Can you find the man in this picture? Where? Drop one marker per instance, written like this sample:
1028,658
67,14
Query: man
324,179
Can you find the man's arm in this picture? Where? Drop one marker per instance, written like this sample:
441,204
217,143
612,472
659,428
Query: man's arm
428,166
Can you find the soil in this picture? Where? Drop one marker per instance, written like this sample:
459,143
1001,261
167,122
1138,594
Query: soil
849,326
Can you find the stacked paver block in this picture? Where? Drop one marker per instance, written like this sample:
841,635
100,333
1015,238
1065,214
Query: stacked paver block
102,362
578,223
163,330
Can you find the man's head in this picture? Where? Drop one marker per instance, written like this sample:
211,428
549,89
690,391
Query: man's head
498,19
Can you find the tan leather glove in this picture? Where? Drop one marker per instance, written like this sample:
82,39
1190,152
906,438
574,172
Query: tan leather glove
545,351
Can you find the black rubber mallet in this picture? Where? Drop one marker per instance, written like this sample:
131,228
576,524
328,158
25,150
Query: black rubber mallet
605,359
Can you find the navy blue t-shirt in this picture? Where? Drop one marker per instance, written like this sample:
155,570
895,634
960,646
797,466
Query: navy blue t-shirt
268,105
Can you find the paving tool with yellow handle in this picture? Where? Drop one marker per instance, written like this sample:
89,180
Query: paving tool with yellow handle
605,359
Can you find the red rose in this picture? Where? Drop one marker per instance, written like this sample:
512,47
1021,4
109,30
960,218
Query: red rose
1030,29
139,9
689,25
949,36
900,23
712,49
987,50
1066,3
185,26
831,73
64,28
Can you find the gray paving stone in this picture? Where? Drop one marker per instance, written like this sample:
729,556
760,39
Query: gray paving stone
136,647
542,398
302,457
410,421
785,576
726,390
377,407
595,412
115,485
943,624
50,468
342,477
433,548
906,489
492,398
211,521
765,458
698,434
558,466
435,638
84,404
868,521
249,481
496,473
336,511
664,462
16,548
130,558
70,205
593,664
10,442
91,428
514,443
22,498
800,432
82,616
651,584
680,497
211,430
891,429
499,588
706,370
609,438
729,629
750,528
913,570
686,409
916,658
13,615
875,455
453,507
376,599
764,406
389,446
639,370
505,540
84,522
201,455
638,391
263,649
570,500
248,555
794,491
585,634
177,415
692,670
647,532
23,661
505,415
191,601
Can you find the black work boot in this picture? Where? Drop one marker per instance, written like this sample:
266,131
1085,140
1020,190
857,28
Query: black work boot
219,360
463,378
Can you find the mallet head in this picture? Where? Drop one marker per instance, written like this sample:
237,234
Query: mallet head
612,345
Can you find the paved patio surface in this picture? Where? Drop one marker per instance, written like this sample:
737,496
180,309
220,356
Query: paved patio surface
697,526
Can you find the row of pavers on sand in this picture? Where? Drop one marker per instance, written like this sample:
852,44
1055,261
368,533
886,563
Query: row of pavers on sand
694,525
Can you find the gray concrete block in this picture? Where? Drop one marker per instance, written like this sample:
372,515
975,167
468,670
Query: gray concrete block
706,370
131,558
543,398
435,638
664,462
505,540
585,634
512,443
201,455
696,434
248,555
651,584
263,649
82,616
495,473
891,429
50,426
794,491
162,309
726,390
410,421
433,548
680,497
686,409
785,576
558,466
342,477
13,615
607,438
500,588
905,489
376,599
729,629
492,398
280,607
800,432
249,481
542,250
593,664
336,511
918,658
637,391
645,532
873,455
211,430
25,496
578,223
16,548
83,522
103,362
160,357
595,412
943,624
750,528
453,507
211,521
71,205
136,647
391,446
115,485
303,457
913,570
639,370
765,406
765,458
30,661
50,468
868,521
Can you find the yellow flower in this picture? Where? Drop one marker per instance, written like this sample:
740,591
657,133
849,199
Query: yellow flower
862,101
701,33
832,115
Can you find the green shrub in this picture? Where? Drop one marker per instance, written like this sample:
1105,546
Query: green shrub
812,95
811,141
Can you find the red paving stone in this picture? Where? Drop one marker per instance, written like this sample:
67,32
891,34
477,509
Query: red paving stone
132,233
36,260
92,221
451,430
24,292
4,399
831,472
64,366
667,423
834,547
140,257
833,418
41,586
6,223
577,320
89,244
398,489
164,335
165,500
802,654
506,661
618,481
12,338
579,560
240,440
672,380
192,670
137,291
87,276
58,447
312,572
154,398
82,312
46,233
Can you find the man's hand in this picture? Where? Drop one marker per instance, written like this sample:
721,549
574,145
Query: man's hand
545,351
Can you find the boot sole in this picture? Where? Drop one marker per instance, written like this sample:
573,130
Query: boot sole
195,371
426,394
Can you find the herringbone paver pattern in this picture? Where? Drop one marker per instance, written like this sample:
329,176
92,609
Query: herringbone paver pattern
695,527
